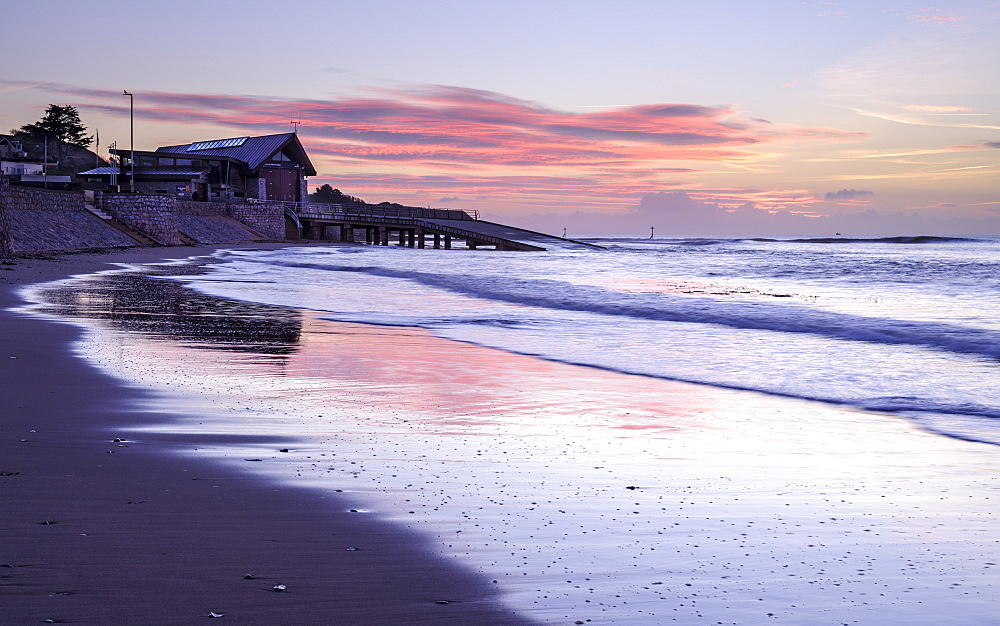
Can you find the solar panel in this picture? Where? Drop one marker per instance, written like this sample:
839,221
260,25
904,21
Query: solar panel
217,143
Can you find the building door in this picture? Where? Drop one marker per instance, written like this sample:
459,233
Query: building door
282,183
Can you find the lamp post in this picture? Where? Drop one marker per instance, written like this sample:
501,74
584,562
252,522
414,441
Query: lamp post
131,140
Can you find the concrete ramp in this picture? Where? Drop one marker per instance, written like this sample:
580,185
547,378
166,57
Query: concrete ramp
488,232
414,224
215,229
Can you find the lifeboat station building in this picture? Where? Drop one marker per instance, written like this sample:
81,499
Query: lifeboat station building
271,167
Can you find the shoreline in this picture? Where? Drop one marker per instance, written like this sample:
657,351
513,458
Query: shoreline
98,531
568,492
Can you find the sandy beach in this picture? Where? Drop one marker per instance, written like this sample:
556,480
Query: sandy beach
98,531
385,475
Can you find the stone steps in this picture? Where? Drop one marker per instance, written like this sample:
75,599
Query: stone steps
125,229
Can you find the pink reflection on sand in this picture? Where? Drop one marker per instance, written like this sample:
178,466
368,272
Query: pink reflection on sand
597,495
413,371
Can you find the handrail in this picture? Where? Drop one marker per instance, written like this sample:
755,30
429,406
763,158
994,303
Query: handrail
431,226
409,221
336,210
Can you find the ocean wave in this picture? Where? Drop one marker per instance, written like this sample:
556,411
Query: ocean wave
959,420
909,239
787,317
710,241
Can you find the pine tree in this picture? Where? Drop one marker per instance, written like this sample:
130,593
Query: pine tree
61,123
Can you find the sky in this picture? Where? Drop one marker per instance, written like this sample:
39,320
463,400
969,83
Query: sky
704,117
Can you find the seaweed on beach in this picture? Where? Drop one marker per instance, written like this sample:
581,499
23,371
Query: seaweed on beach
142,301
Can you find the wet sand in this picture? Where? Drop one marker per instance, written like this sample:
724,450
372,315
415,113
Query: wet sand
572,494
98,531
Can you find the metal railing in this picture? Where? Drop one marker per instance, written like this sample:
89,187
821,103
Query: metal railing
431,227
444,230
339,211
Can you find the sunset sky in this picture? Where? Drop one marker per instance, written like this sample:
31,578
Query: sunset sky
599,116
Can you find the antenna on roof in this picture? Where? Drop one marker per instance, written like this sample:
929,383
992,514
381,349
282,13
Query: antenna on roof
295,123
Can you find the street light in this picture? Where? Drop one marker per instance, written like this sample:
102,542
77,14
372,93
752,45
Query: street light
131,140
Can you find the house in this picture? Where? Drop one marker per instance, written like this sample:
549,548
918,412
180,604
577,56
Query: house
14,162
271,167
11,148
20,168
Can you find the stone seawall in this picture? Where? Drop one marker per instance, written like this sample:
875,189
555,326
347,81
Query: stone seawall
266,219
40,220
153,216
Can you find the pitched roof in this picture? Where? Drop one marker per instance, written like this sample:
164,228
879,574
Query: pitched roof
142,171
254,151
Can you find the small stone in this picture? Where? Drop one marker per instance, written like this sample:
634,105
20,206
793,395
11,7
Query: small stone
442,602
214,614
248,577
279,587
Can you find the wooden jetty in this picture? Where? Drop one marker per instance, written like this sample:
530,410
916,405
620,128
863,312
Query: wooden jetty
415,227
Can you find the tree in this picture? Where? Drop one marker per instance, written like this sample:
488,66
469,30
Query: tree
329,195
62,124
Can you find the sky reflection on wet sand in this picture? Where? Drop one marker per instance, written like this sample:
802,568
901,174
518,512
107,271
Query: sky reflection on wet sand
587,495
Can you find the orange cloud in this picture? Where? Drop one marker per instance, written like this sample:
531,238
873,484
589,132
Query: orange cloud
454,142
930,108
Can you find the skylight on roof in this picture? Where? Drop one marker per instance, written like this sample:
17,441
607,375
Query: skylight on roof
217,143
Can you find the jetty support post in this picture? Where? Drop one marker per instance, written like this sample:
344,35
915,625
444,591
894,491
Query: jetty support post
347,233
308,229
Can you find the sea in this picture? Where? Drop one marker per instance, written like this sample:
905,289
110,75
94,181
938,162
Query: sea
669,430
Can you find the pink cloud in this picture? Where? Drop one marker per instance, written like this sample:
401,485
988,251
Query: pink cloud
931,108
452,141
930,15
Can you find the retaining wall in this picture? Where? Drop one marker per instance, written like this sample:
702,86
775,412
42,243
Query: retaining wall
266,219
36,220
42,220
151,215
